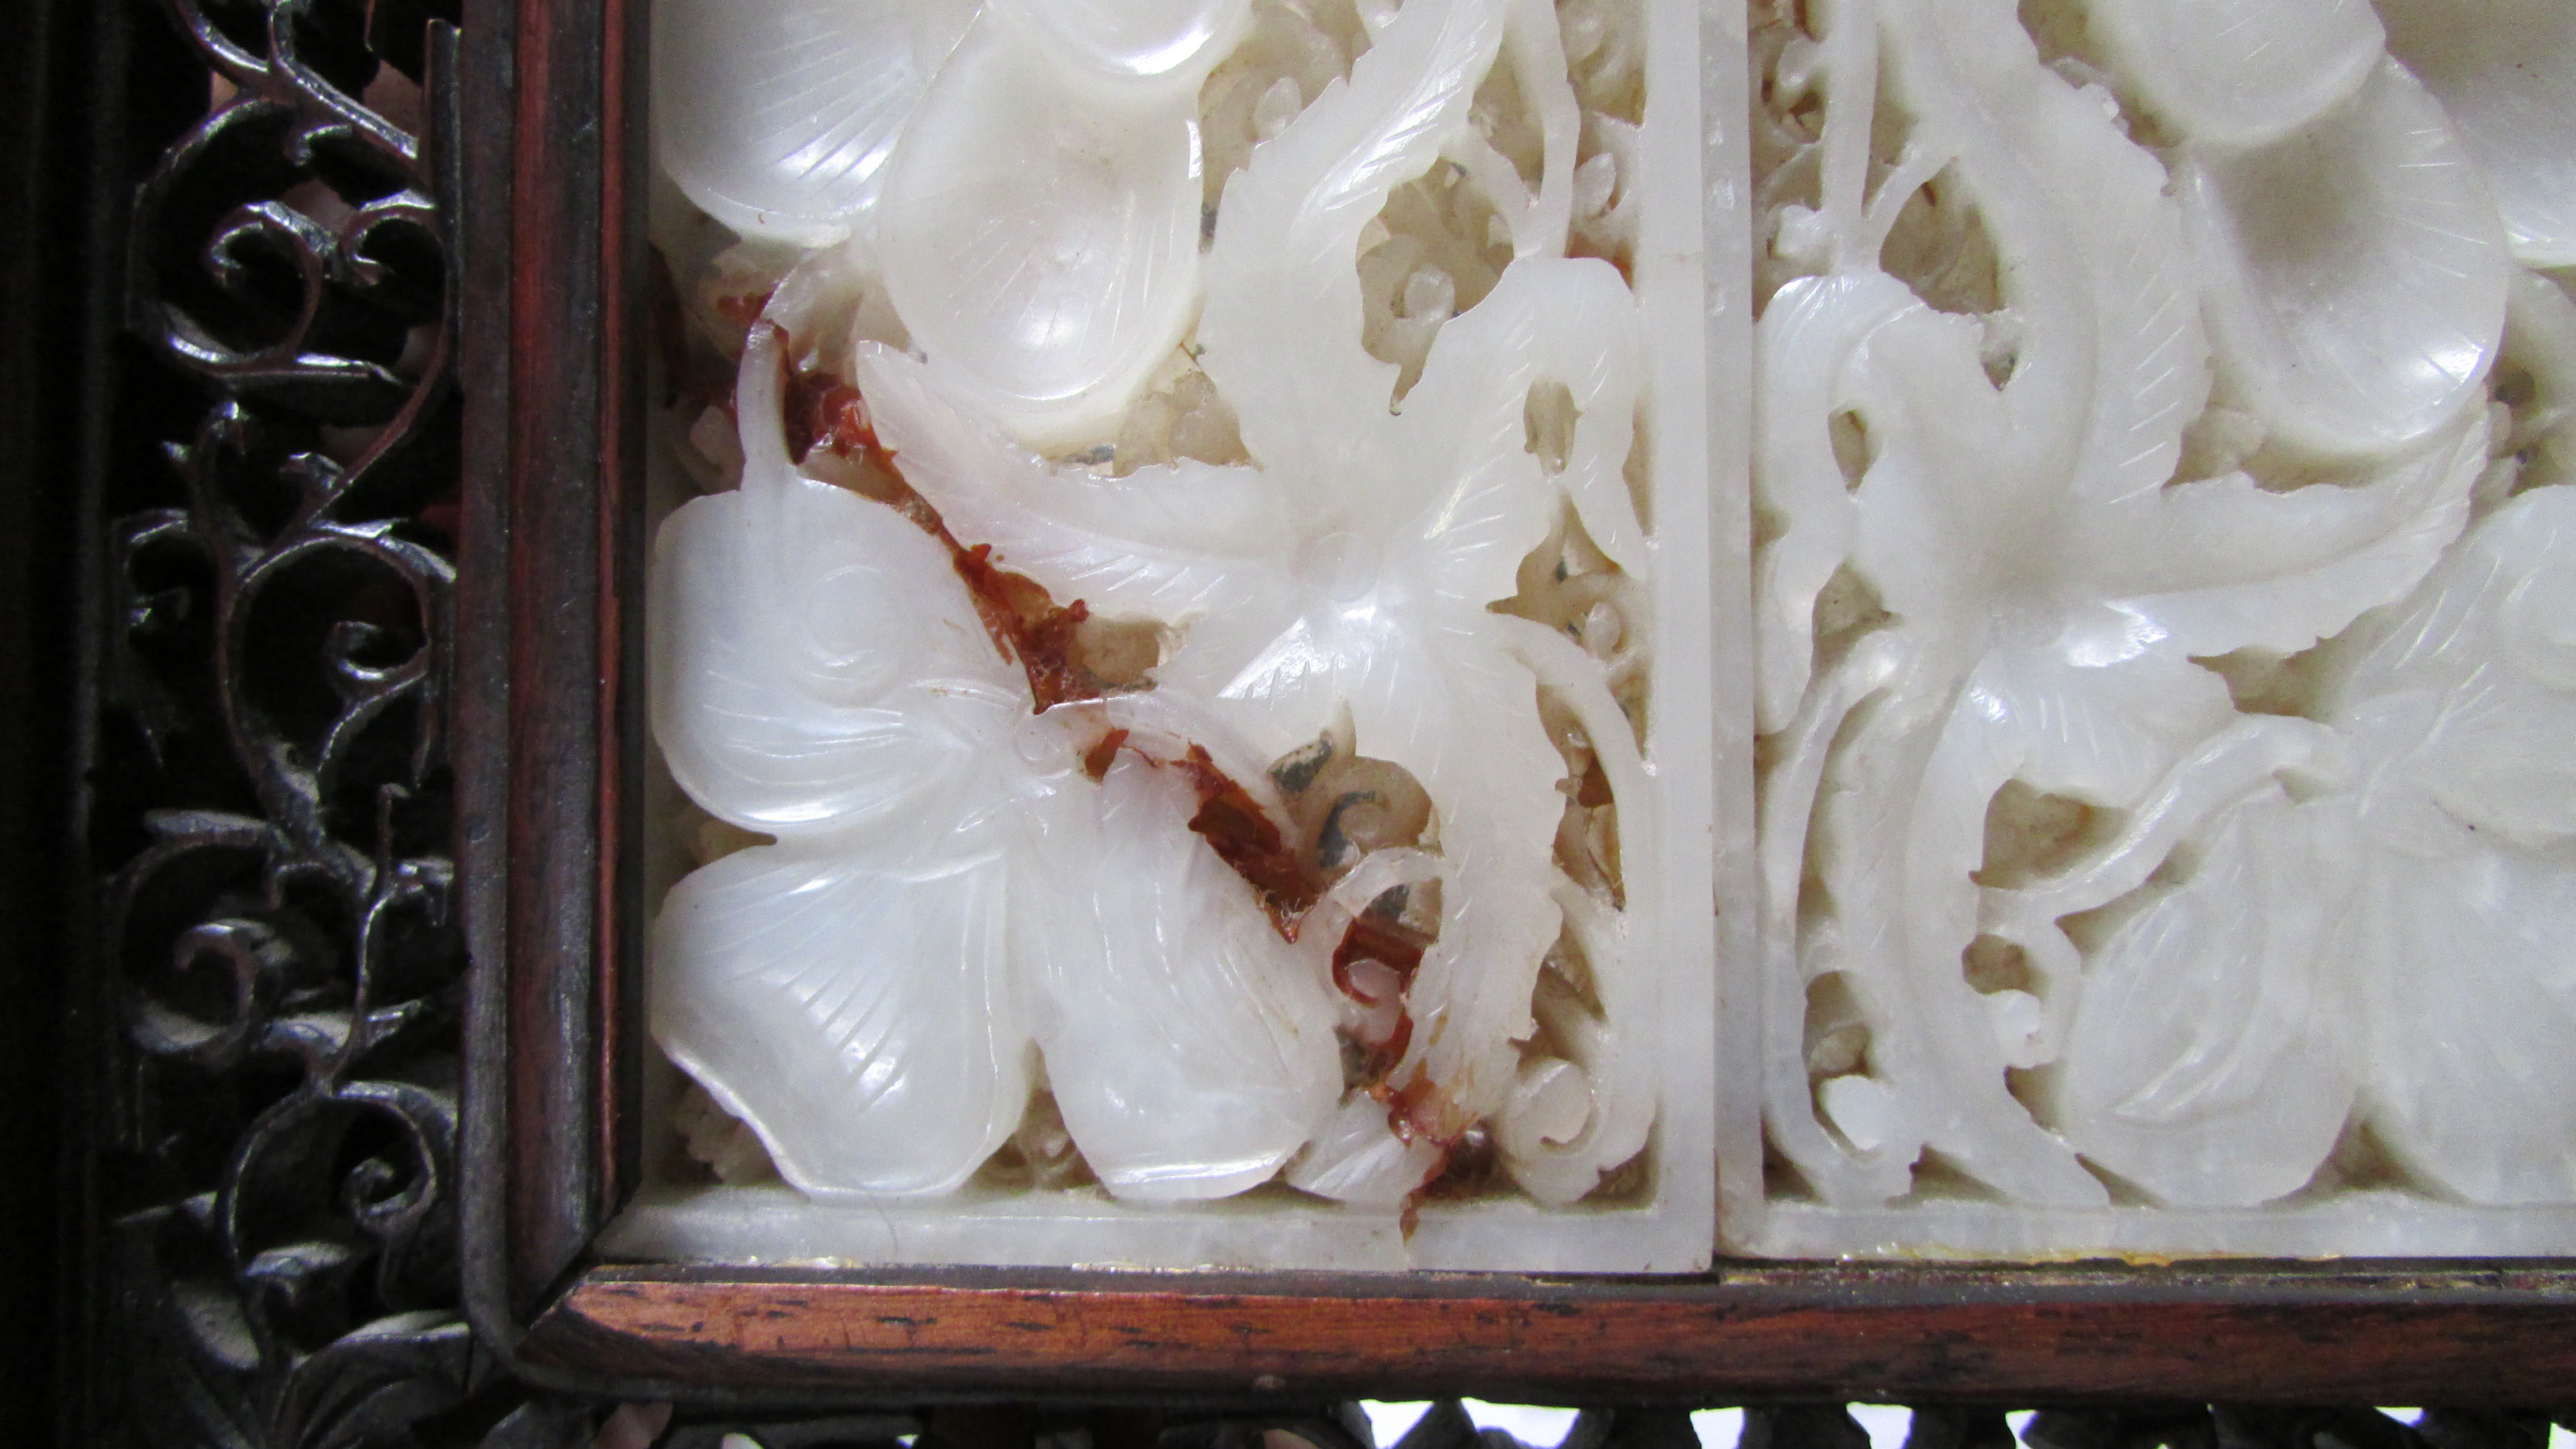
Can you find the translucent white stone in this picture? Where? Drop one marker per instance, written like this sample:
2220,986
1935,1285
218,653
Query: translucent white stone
1190,1049
2241,72
2356,270
2208,1063
1484,581
776,116
2393,955
2106,908
1173,42
1042,248
2047,591
820,675
2505,71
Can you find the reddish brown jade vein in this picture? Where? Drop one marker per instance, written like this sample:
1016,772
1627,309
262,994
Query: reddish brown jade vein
1030,629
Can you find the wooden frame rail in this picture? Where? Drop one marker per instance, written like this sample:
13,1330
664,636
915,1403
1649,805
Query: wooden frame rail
549,748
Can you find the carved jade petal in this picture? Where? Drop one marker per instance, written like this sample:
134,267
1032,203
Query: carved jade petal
1132,43
2356,271
2505,70
2476,689
1190,1049
2471,997
849,999
2233,565
2465,702
817,663
776,116
2210,1059
2241,72
1177,543
1042,248
2408,935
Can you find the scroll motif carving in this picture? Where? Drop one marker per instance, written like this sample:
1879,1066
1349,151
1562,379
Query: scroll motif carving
281,952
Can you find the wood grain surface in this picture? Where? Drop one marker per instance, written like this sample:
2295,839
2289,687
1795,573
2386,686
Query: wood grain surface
1894,1334
549,572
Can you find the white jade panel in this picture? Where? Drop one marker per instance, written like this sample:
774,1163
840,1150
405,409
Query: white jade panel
1182,680
2163,614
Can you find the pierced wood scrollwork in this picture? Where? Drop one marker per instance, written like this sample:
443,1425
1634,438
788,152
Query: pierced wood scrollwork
282,953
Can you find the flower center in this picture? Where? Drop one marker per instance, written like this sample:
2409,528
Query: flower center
1343,566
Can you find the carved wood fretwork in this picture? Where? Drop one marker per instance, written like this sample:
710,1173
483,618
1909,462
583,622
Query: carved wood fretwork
275,1156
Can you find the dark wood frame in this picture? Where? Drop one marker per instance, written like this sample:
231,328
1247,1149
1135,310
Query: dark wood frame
549,745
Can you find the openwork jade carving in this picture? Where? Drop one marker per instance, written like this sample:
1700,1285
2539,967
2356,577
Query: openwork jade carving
1203,512
2162,617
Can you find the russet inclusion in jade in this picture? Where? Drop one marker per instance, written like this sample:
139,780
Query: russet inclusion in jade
1219,650
1200,507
